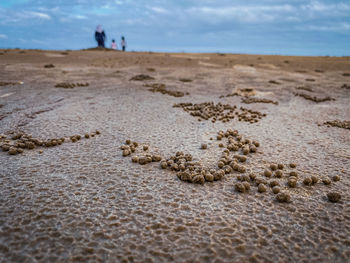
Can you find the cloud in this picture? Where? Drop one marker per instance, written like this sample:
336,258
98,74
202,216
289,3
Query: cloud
159,10
243,13
33,14
3,36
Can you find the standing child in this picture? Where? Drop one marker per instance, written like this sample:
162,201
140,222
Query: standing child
123,43
114,45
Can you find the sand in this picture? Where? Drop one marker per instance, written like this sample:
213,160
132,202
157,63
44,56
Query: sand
84,201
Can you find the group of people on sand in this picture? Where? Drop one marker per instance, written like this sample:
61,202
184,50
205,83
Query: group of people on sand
100,37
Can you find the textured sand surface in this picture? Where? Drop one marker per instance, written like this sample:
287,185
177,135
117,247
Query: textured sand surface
84,201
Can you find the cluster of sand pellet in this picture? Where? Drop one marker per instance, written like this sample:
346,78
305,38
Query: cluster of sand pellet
142,77
339,124
345,86
185,80
313,98
21,141
49,66
195,172
159,87
305,88
244,92
278,177
249,100
220,112
66,85
4,83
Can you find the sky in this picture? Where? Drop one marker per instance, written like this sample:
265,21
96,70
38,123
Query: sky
289,27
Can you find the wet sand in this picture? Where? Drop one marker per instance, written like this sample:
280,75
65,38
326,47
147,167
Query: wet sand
83,201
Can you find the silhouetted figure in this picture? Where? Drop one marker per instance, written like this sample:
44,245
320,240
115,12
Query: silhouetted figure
123,43
114,45
100,36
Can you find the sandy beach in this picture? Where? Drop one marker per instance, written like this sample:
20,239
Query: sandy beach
97,165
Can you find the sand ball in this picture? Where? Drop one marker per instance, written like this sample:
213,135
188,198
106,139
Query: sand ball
241,169
126,153
204,146
97,132
12,151
218,175
240,187
92,134
59,142
262,188
245,178
19,150
78,137
293,173
220,164
198,179
252,149
5,147
156,158
242,159
326,181
276,190
245,150
283,197
292,182
273,167
267,173
235,148
252,176
307,181
145,147
219,137
209,177
87,136
336,178
132,148
163,164
278,174
182,167
260,181
135,159
292,165
149,159
135,144
127,142
73,139
274,183
53,142
142,160
221,145
314,179
228,169
246,186
63,139
333,197
256,143
280,166
41,151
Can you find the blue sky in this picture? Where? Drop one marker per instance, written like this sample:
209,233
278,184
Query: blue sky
294,27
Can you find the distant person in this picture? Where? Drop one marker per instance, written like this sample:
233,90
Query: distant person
123,43
100,36
114,45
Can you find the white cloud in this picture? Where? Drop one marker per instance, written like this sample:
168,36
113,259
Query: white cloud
250,14
159,10
32,14
3,36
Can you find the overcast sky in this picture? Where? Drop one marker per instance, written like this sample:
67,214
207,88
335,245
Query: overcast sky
292,27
